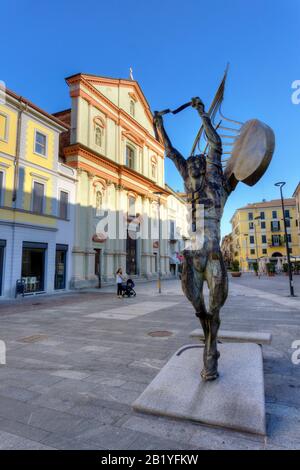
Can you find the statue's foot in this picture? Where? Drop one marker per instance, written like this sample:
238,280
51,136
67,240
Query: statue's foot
210,369
209,375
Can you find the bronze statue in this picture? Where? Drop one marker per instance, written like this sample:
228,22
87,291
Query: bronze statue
208,185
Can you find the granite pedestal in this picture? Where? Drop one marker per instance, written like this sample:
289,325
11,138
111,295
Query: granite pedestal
235,400
237,336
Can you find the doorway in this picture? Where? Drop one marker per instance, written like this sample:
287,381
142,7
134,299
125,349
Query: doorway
2,248
131,252
98,266
60,267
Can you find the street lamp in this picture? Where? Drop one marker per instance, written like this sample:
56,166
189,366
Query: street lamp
159,242
280,185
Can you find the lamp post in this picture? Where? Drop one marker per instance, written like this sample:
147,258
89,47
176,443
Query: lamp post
159,242
280,185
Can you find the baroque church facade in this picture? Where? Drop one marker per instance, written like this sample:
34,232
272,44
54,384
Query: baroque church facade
120,181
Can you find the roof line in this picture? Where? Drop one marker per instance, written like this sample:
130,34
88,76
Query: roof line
35,107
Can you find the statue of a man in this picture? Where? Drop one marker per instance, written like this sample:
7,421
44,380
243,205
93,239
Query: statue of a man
205,184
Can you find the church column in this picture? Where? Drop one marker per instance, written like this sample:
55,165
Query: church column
78,248
90,252
146,241
121,209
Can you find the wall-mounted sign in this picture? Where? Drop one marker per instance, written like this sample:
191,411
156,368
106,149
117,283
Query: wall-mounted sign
99,237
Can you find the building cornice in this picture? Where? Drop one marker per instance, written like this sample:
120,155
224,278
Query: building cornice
137,182
17,101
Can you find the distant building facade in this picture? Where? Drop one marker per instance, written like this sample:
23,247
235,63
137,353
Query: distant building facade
37,196
258,232
227,249
177,229
296,195
120,168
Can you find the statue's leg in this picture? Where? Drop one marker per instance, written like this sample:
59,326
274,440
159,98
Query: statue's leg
216,276
192,285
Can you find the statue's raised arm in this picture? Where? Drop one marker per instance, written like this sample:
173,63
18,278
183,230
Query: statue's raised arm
213,138
171,152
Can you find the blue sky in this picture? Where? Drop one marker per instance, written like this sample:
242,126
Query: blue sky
177,50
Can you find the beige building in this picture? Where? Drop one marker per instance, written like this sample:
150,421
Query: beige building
227,249
296,195
258,232
178,228
120,168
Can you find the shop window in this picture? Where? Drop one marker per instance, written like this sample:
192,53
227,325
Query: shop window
33,266
60,267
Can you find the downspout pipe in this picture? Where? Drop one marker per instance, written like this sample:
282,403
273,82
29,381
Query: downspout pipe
21,109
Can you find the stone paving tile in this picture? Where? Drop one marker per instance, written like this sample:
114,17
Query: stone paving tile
18,393
93,410
169,429
61,442
147,442
23,430
56,421
210,439
10,441
70,374
112,362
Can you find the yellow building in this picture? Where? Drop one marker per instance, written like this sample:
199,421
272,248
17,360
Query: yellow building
36,193
258,232
296,195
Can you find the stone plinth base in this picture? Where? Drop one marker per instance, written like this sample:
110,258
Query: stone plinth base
237,336
235,400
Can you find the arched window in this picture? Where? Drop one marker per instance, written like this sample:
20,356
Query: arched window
131,206
130,157
98,136
98,203
132,108
154,170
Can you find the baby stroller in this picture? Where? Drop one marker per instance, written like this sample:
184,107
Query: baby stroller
128,289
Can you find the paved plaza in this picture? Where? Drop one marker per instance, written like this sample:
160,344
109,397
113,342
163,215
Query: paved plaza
76,362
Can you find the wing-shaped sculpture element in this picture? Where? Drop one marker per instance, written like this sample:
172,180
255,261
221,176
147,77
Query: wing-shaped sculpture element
214,108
